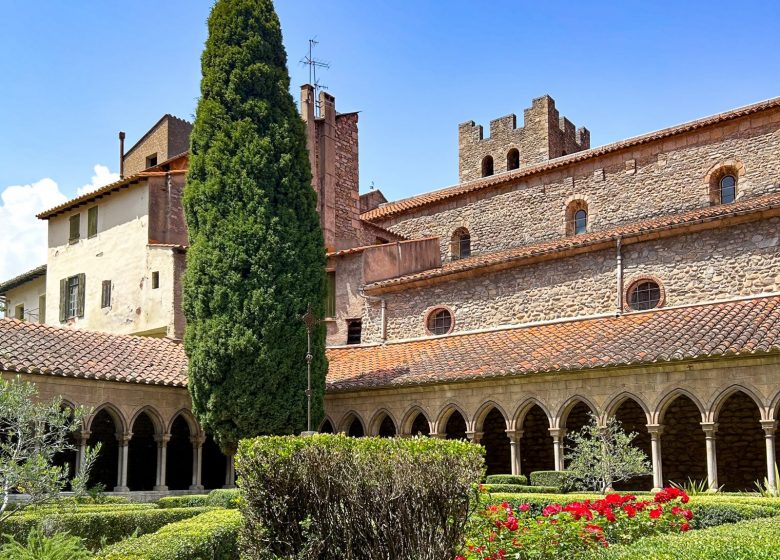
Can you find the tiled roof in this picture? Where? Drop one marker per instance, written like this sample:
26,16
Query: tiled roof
515,256
401,206
22,278
43,349
739,327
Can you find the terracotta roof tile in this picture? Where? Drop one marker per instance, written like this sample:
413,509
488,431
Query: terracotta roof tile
628,231
22,278
738,327
35,348
404,205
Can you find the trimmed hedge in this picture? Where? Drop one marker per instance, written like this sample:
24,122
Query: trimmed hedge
714,513
556,479
517,479
518,489
225,498
99,527
194,500
749,540
209,536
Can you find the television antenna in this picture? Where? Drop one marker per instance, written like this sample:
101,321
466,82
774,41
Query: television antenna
313,64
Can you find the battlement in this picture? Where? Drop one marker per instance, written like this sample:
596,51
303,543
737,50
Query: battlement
544,135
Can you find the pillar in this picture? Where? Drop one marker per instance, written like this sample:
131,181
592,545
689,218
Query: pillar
514,447
124,443
230,472
655,431
437,435
474,437
162,461
558,434
771,465
197,462
83,439
710,429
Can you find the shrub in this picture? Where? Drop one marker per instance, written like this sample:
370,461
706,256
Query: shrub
712,514
224,498
209,536
40,547
518,489
558,479
99,527
194,500
518,479
334,497
749,540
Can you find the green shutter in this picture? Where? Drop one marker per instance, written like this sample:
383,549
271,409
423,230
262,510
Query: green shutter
92,217
63,300
330,305
80,300
75,226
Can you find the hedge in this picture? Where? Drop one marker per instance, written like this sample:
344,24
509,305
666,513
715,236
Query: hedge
517,479
557,479
194,500
224,498
209,536
98,528
519,489
749,540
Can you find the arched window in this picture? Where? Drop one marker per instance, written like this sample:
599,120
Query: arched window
577,217
512,159
728,189
644,294
487,166
580,221
460,244
439,321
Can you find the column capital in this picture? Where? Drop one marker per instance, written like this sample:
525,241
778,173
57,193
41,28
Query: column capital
514,435
437,435
198,440
558,433
710,428
475,437
123,438
769,426
655,429
162,439
83,437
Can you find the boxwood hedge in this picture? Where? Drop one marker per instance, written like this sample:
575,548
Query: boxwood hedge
517,479
518,489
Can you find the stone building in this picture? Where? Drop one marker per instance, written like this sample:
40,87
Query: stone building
639,279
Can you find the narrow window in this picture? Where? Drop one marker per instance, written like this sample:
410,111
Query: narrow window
75,226
580,222
151,160
577,217
487,166
330,301
644,295
460,244
728,189
73,297
512,159
42,308
155,280
354,330
440,321
105,297
92,219
19,312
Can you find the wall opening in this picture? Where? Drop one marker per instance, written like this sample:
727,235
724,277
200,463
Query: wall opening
487,166
142,458
512,159
634,420
456,426
536,446
420,426
387,427
214,468
496,443
327,427
106,467
356,428
683,452
740,446
178,463
577,418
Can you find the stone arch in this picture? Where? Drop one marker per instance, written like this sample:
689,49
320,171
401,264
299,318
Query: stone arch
536,445
410,425
633,418
512,159
683,453
525,407
154,416
188,417
741,450
452,422
460,243
326,426
572,417
617,400
571,223
713,176
491,422
572,403
104,426
716,403
487,166
179,454
484,410
142,450
668,397
383,424
446,412
113,411
353,425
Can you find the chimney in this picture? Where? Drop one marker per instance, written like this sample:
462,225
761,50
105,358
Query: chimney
121,155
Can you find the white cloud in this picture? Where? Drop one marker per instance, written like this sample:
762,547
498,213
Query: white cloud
23,237
101,178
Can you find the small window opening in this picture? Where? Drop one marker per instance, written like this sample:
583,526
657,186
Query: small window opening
487,166
330,301
460,245
512,159
151,160
440,321
19,312
354,331
92,221
105,298
74,223
42,308
155,280
644,295
728,189
73,297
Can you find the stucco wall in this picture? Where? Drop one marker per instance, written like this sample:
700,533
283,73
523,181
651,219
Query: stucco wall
27,294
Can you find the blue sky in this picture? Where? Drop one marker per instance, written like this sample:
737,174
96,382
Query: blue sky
75,73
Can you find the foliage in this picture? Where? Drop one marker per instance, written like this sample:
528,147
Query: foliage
224,497
749,540
691,487
602,455
520,479
38,546
557,479
32,433
519,489
765,489
573,530
193,500
329,497
98,527
256,256
209,536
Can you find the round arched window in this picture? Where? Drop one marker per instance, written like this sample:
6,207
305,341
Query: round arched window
643,295
728,189
439,321
487,166
580,222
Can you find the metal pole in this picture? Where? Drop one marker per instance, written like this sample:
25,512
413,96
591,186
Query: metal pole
310,321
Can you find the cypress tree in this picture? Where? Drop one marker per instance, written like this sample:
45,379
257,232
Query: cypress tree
256,256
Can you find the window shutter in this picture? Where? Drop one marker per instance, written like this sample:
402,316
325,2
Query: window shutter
80,300
63,300
92,218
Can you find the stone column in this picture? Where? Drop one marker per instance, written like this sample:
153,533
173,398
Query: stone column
769,437
474,437
437,435
558,434
230,474
710,429
82,438
197,462
655,431
514,445
162,461
124,444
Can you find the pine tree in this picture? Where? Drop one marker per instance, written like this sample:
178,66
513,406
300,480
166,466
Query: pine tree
256,256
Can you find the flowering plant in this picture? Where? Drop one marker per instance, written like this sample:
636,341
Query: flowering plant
572,530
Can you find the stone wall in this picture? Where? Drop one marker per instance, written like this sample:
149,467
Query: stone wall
655,178
347,188
167,138
349,304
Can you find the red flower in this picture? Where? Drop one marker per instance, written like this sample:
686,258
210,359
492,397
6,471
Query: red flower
630,510
656,513
687,514
524,507
552,509
684,527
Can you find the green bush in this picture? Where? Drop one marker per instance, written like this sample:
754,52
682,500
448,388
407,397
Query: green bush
194,500
209,536
518,479
224,498
749,540
712,514
98,527
38,546
558,479
333,497
519,489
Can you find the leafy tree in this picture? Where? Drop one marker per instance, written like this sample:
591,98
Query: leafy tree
603,455
256,257
32,433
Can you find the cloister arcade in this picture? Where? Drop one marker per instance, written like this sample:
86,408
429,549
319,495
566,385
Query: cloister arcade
728,441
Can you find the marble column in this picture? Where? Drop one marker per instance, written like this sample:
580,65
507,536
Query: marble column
655,431
710,429
197,462
82,439
769,437
514,442
230,472
124,446
558,435
162,461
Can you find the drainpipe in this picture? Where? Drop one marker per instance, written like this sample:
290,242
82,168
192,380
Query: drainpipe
619,267
383,312
121,155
